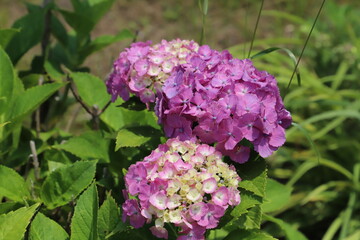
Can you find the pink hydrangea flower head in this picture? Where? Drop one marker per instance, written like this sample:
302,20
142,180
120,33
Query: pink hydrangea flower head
142,62
192,195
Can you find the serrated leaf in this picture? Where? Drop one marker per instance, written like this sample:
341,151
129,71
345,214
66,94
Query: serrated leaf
65,183
13,224
44,228
89,146
126,138
6,35
91,89
12,185
290,232
253,218
6,81
31,28
277,196
248,200
253,234
84,221
109,218
253,175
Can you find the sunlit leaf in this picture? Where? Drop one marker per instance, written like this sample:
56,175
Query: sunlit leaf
65,183
84,221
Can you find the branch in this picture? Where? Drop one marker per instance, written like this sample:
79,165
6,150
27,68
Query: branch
77,97
35,160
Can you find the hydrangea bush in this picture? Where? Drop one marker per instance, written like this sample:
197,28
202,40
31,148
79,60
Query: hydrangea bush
182,183
202,97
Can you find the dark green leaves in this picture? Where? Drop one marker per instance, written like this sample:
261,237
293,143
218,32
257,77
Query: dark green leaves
65,183
44,228
12,185
253,174
84,221
86,14
31,29
6,35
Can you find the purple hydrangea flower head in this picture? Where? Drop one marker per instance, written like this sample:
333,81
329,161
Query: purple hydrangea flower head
205,94
224,100
182,183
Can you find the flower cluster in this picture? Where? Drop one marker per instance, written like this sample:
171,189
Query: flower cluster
142,69
182,183
223,100
204,93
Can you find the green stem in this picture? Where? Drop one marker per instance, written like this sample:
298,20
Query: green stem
256,26
306,42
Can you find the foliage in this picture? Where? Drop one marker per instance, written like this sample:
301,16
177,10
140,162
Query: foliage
63,174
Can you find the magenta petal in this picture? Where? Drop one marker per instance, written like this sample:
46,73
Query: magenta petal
277,137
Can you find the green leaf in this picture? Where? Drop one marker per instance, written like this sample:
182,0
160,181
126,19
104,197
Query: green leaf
248,200
53,72
13,225
253,175
119,117
253,234
290,232
9,206
6,81
31,31
109,218
58,30
84,222
89,146
12,185
6,35
252,219
65,183
277,196
31,99
103,41
91,89
86,14
126,138
44,228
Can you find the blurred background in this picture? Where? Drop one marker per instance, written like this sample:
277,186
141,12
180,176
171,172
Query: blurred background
320,163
